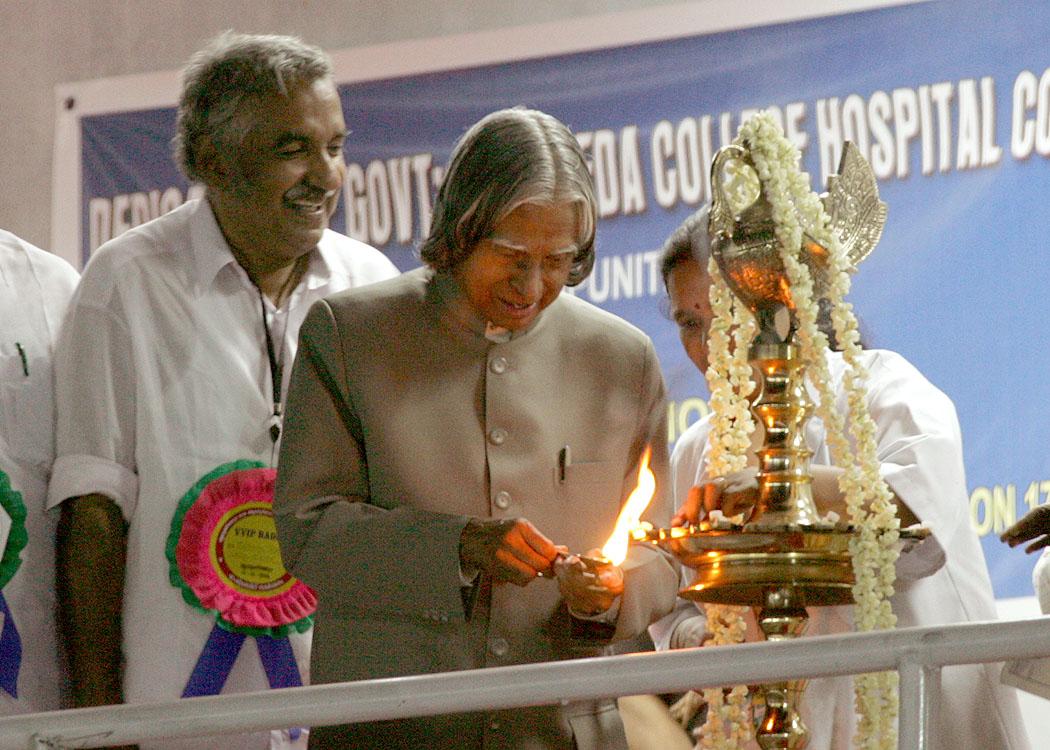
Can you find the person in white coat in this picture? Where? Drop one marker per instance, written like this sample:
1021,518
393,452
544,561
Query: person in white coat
943,580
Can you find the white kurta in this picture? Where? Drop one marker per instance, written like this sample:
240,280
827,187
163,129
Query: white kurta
35,289
943,580
162,375
1033,675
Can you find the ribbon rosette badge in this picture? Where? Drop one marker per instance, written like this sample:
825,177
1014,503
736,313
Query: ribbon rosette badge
13,521
224,557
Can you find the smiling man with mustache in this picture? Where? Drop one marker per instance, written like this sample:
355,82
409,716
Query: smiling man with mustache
170,375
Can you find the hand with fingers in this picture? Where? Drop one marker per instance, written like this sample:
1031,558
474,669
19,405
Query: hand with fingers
510,550
732,494
1034,528
586,590
690,633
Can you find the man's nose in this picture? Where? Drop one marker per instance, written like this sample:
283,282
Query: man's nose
527,280
327,170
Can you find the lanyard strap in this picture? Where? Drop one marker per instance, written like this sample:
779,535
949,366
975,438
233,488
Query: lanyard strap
275,374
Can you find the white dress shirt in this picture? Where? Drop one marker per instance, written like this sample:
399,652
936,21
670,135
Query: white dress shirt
162,375
35,289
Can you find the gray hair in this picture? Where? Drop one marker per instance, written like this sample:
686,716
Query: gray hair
689,241
508,158
231,69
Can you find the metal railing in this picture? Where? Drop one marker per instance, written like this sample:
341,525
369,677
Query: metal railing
916,653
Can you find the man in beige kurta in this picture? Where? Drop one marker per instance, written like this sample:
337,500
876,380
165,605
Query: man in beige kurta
405,421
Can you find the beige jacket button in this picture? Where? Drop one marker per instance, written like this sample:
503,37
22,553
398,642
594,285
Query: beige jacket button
498,365
502,500
497,436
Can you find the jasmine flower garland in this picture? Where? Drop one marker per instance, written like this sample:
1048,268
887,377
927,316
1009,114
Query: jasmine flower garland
797,210
729,378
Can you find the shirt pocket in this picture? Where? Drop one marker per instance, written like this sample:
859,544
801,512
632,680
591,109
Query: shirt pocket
589,478
27,407
588,501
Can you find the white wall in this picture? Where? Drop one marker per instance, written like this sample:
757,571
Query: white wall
47,42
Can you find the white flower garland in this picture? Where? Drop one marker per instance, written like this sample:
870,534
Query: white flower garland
797,211
729,378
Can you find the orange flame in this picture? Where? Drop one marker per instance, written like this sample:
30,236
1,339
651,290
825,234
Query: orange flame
615,549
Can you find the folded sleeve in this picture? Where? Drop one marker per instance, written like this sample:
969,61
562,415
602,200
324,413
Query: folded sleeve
95,407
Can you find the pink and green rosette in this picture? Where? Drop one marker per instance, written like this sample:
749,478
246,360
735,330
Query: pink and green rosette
224,558
10,561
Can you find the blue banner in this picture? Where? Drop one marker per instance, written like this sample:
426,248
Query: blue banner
949,100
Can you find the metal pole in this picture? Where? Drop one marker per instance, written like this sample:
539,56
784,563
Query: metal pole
919,693
532,684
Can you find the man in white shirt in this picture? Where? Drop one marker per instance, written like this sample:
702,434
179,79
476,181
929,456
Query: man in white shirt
35,289
943,580
170,375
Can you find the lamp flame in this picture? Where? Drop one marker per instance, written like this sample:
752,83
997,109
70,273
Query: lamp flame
615,549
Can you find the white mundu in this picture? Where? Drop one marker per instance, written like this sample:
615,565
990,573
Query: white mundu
943,580
170,326
35,289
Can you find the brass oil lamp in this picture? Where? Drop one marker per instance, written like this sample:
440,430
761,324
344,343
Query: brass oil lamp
784,558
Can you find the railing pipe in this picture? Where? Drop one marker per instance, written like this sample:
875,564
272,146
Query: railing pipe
913,723
532,684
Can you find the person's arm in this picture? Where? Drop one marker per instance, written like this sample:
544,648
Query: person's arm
1034,527
738,493
91,550
93,482
830,499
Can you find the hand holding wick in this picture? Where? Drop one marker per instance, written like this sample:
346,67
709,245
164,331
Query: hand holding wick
733,494
588,584
510,550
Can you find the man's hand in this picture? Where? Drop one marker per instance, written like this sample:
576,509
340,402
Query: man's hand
588,591
690,633
732,494
511,550
686,707
1034,526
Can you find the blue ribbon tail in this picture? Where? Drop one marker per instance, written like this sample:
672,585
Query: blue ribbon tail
278,660
214,663
10,651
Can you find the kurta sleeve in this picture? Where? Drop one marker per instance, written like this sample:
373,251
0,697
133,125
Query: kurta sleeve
650,574
920,457
95,401
354,553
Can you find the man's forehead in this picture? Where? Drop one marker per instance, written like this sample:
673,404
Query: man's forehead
522,243
276,115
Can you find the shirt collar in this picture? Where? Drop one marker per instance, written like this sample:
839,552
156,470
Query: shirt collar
319,271
211,252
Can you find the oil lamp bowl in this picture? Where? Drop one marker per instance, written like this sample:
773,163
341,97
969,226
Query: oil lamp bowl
741,565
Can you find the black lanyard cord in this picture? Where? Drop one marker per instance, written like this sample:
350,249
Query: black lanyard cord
275,374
